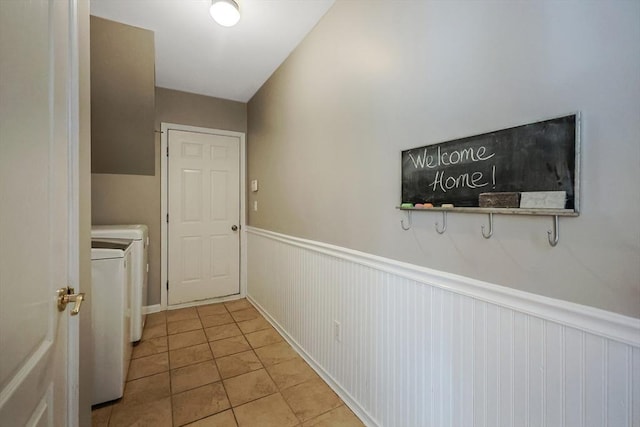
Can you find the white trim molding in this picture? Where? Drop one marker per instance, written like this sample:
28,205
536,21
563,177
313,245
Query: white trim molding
164,256
149,309
420,347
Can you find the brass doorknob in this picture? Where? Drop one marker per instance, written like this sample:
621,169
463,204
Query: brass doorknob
67,295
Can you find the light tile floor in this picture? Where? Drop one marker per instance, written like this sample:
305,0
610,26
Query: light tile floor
220,365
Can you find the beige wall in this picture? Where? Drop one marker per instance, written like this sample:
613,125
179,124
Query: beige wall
372,79
135,199
122,98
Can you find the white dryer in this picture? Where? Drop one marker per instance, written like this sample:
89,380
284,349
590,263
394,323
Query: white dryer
139,235
111,317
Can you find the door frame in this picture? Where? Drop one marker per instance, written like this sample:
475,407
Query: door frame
164,209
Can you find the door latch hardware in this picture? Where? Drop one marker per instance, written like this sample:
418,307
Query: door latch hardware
67,295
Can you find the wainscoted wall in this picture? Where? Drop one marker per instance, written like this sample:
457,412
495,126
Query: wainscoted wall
426,348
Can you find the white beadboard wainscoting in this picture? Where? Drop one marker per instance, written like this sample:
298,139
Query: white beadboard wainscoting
419,347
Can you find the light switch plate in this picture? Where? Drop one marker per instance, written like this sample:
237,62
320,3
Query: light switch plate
254,185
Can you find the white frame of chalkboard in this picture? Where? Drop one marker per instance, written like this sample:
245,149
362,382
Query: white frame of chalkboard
531,211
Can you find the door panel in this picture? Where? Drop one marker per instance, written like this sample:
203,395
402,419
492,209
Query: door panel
34,192
191,259
219,251
204,204
191,195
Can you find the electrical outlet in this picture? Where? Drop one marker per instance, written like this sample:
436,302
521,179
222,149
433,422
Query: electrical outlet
255,206
337,331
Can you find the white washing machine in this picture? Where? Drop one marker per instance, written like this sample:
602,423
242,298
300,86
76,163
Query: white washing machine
139,235
111,278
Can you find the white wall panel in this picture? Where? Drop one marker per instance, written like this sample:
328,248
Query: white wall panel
420,349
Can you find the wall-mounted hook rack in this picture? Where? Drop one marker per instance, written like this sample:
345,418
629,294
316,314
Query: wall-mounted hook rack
488,236
402,222
553,241
444,223
553,235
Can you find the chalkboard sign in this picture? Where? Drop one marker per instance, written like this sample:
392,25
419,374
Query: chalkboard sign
535,157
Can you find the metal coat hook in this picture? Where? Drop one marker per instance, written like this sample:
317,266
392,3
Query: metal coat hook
402,222
444,223
488,236
556,232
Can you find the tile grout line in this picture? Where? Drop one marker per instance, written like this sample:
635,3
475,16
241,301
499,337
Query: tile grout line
184,391
279,391
253,350
215,360
272,379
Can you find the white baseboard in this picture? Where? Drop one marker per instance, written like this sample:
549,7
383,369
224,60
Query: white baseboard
205,302
151,309
158,307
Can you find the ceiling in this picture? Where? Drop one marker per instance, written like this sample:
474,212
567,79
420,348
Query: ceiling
194,54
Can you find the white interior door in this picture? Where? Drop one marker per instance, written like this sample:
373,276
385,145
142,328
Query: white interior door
204,216
36,111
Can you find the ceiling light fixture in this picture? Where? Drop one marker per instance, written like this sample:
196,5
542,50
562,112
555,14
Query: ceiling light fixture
225,12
